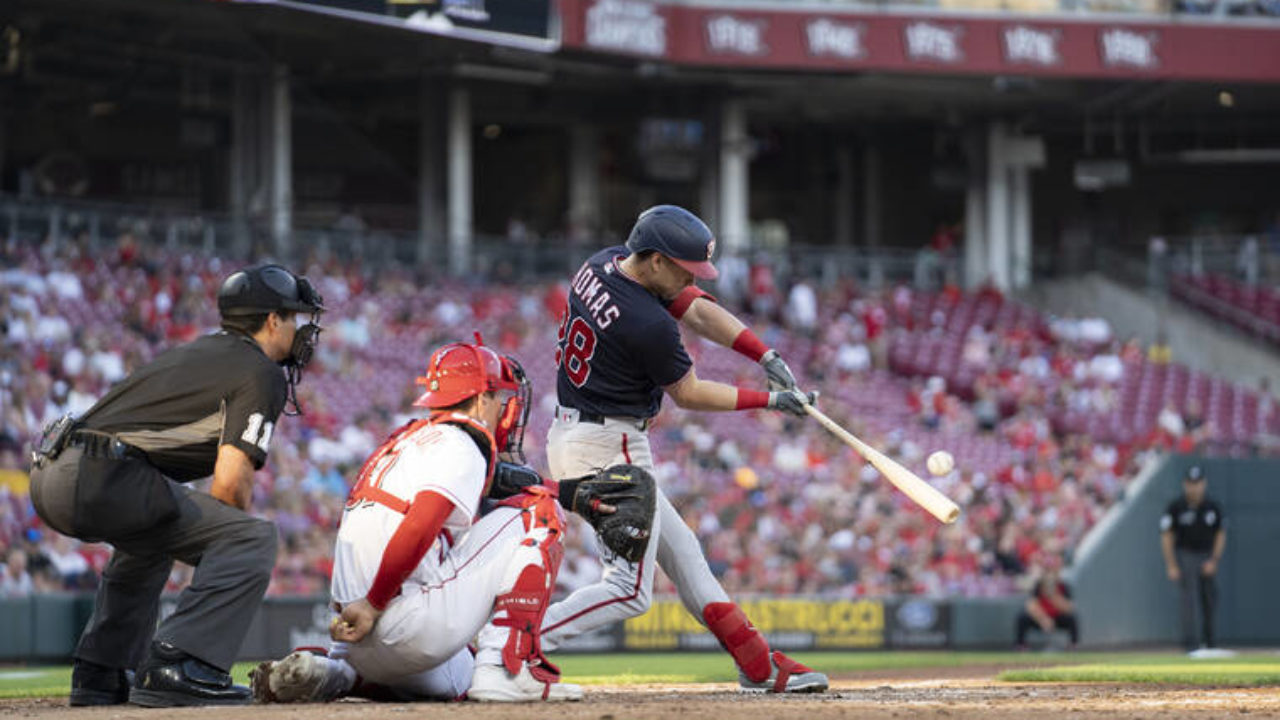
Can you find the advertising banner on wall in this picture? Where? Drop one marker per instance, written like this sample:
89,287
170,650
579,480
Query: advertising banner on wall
530,23
284,623
788,624
529,18
717,35
918,623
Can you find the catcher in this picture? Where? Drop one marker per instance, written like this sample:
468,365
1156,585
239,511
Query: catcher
415,580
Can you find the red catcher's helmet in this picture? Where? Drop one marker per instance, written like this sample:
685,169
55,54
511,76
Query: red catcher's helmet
460,371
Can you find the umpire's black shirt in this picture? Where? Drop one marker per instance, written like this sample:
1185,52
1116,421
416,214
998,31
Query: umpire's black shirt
179,408
1193,528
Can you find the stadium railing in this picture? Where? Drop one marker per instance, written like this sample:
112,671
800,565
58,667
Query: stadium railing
100,225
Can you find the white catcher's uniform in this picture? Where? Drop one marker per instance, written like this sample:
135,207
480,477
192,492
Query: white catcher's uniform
419,645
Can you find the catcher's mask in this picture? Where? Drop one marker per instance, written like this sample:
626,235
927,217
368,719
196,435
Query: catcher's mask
273,289
460,371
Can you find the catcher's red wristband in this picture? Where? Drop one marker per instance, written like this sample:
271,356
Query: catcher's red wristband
751,399
748,344
680,305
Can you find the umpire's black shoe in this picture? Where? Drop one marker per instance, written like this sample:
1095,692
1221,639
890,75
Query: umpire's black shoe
172,678
93,684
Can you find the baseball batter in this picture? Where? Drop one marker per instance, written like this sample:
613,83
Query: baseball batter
619,350
415,580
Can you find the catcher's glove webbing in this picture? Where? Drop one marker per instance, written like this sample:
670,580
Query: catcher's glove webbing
628,488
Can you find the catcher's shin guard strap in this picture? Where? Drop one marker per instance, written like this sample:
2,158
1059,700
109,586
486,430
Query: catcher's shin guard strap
740,638
523,606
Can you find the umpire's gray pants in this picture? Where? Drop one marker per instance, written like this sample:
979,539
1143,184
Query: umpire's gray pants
233,554
1198,595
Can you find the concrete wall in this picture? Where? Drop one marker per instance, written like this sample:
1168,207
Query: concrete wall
1121,590
984,623
1196,340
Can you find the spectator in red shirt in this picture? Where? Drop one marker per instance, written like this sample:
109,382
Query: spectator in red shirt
1048,607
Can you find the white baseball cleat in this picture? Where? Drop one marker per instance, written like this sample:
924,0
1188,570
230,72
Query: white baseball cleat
492,683
302,677
788,676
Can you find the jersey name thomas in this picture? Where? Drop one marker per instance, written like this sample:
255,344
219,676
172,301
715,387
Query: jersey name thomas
619,346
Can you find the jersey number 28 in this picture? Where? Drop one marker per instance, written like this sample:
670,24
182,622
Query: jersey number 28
576,344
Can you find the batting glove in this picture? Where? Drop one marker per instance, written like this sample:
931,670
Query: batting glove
792,401
780,377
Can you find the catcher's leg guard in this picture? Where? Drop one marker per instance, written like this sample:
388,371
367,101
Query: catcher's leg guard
740,639
530,580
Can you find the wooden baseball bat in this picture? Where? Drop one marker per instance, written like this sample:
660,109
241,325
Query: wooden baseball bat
921,492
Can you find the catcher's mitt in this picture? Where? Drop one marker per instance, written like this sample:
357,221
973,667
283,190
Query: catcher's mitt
628,488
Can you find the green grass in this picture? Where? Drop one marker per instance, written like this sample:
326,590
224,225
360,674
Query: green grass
619,669
639,668
1244,670
34,681
47,681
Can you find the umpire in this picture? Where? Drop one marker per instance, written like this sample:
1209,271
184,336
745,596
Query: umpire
116,475
1193,535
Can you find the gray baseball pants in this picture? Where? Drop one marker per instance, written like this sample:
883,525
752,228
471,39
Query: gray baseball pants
100,499
576,448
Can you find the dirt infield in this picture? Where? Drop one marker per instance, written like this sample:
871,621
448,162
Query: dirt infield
950,697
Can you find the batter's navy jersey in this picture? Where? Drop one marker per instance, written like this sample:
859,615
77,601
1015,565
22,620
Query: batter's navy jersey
618,345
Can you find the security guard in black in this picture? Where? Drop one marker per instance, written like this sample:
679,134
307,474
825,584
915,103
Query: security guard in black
1192,538
116,474
1193,528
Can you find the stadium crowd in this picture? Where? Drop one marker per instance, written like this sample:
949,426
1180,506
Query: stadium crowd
780,506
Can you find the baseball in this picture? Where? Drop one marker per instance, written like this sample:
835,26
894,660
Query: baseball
940,462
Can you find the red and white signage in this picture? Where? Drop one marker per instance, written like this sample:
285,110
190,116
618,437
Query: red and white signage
1025,45
779,38
626,26
1122,47
825,37
934,42
732,35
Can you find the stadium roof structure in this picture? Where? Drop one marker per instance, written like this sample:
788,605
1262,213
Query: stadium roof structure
98,52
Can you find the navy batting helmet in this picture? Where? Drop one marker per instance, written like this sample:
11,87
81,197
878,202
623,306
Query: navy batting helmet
677,234
265,289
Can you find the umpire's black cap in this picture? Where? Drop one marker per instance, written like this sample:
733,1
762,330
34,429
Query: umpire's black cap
265,289
1195,474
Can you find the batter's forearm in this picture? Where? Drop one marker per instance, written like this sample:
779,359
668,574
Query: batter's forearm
697,394
708,319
